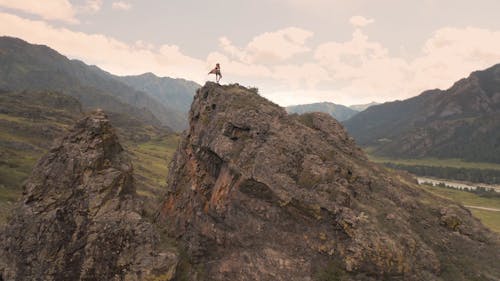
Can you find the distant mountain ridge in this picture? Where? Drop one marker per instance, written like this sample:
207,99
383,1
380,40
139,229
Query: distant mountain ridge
461,122
24,66
361,107
339,112
174,94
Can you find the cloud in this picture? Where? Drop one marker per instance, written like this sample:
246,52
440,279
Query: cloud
92,6
370,72
300,96
270,47
266,59
283,63
300,76
452,53
360,21
60,10
238,68
353,53
106,52
364,67
120,5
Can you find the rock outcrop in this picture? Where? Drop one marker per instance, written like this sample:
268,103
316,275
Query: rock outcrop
79,218
256,194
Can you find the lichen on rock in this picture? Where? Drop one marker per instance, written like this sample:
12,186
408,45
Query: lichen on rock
256,194
79,218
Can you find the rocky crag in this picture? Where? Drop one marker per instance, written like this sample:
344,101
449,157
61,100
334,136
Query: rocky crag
79,218
257,194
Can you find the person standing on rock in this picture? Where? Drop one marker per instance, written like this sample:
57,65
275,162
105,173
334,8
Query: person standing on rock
217,73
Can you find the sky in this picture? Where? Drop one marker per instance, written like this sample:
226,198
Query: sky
294,51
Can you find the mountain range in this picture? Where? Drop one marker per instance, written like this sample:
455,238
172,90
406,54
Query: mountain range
460,122
24,66
174,94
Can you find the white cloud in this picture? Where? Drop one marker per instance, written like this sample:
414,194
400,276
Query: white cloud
120,5
283,64
370,72
452,53
270,47
92,6
106,52
237,68
266,57
360,21
353,53
300,76
300,96
60,10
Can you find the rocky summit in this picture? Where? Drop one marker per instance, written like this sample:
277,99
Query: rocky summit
256,194
79,218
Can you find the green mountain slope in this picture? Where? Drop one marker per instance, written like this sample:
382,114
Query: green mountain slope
24,66
461,122
174,94
29,121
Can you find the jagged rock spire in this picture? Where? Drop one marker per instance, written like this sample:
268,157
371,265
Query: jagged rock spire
79,218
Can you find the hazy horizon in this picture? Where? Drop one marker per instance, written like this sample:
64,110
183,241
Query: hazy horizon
294,51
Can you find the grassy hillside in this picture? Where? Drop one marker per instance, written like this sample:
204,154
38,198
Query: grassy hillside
29,121
489,218
434,162
151,160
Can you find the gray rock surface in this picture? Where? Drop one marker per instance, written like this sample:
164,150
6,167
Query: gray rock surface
79,218
256,194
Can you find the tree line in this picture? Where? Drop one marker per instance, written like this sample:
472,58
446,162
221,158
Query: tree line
487,176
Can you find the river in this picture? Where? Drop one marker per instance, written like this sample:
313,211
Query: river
457,184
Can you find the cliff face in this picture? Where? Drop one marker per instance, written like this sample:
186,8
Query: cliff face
79,218
256,194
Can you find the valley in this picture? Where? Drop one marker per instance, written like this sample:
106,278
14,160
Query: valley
450,169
